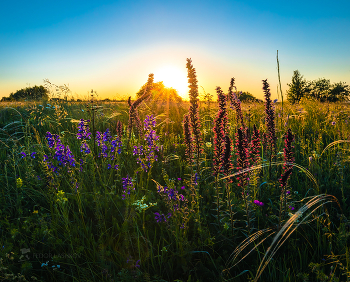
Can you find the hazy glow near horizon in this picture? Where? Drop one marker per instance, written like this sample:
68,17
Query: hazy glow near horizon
173,77
112,46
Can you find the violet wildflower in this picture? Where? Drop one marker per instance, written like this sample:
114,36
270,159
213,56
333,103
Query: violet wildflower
33,155
127,186
333,122
23,155
83,130
161,217
84,148
147,154
258,203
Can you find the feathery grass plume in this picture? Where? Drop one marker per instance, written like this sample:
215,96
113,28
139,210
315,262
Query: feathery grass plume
287,167
219,141
235,103
243,163
270,122
188,139
194,113
134,119
119,129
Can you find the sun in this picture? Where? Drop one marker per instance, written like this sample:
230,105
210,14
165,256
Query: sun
173,77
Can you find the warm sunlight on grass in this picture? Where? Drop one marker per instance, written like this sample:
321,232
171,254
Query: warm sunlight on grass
173,77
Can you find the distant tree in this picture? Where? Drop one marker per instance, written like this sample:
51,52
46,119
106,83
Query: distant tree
320,89
298,88
29,93
247,97
161,93
323,91
339,92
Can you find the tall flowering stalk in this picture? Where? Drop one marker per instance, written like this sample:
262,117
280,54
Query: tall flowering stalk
220,128
235,103
270,120
219,141
188,139
255,159
287,170
134,119
226,167
242,164
119,129
194,113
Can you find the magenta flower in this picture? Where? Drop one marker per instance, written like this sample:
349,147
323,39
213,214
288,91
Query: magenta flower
258,203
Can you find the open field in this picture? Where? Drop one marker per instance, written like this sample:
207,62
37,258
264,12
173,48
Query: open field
99,207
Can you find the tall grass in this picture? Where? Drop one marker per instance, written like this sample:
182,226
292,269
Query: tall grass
145,201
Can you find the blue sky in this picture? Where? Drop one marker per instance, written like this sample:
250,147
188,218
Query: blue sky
112,46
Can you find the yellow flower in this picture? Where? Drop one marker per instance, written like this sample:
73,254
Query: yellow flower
36,211
61,197
208,144
19,182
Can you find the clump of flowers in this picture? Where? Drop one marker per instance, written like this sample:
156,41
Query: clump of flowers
146,155
84,130
62,157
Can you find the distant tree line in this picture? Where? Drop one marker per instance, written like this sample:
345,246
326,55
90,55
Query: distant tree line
320,90
29,94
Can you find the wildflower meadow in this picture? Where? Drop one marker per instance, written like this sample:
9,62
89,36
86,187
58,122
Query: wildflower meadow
140,190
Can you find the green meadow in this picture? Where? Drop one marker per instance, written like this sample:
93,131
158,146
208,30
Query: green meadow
118,191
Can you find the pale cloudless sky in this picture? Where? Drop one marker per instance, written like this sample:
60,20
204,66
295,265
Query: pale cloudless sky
112,46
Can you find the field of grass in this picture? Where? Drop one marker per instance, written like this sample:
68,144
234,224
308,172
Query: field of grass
76,206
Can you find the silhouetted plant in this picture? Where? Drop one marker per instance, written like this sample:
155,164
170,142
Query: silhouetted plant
194,113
